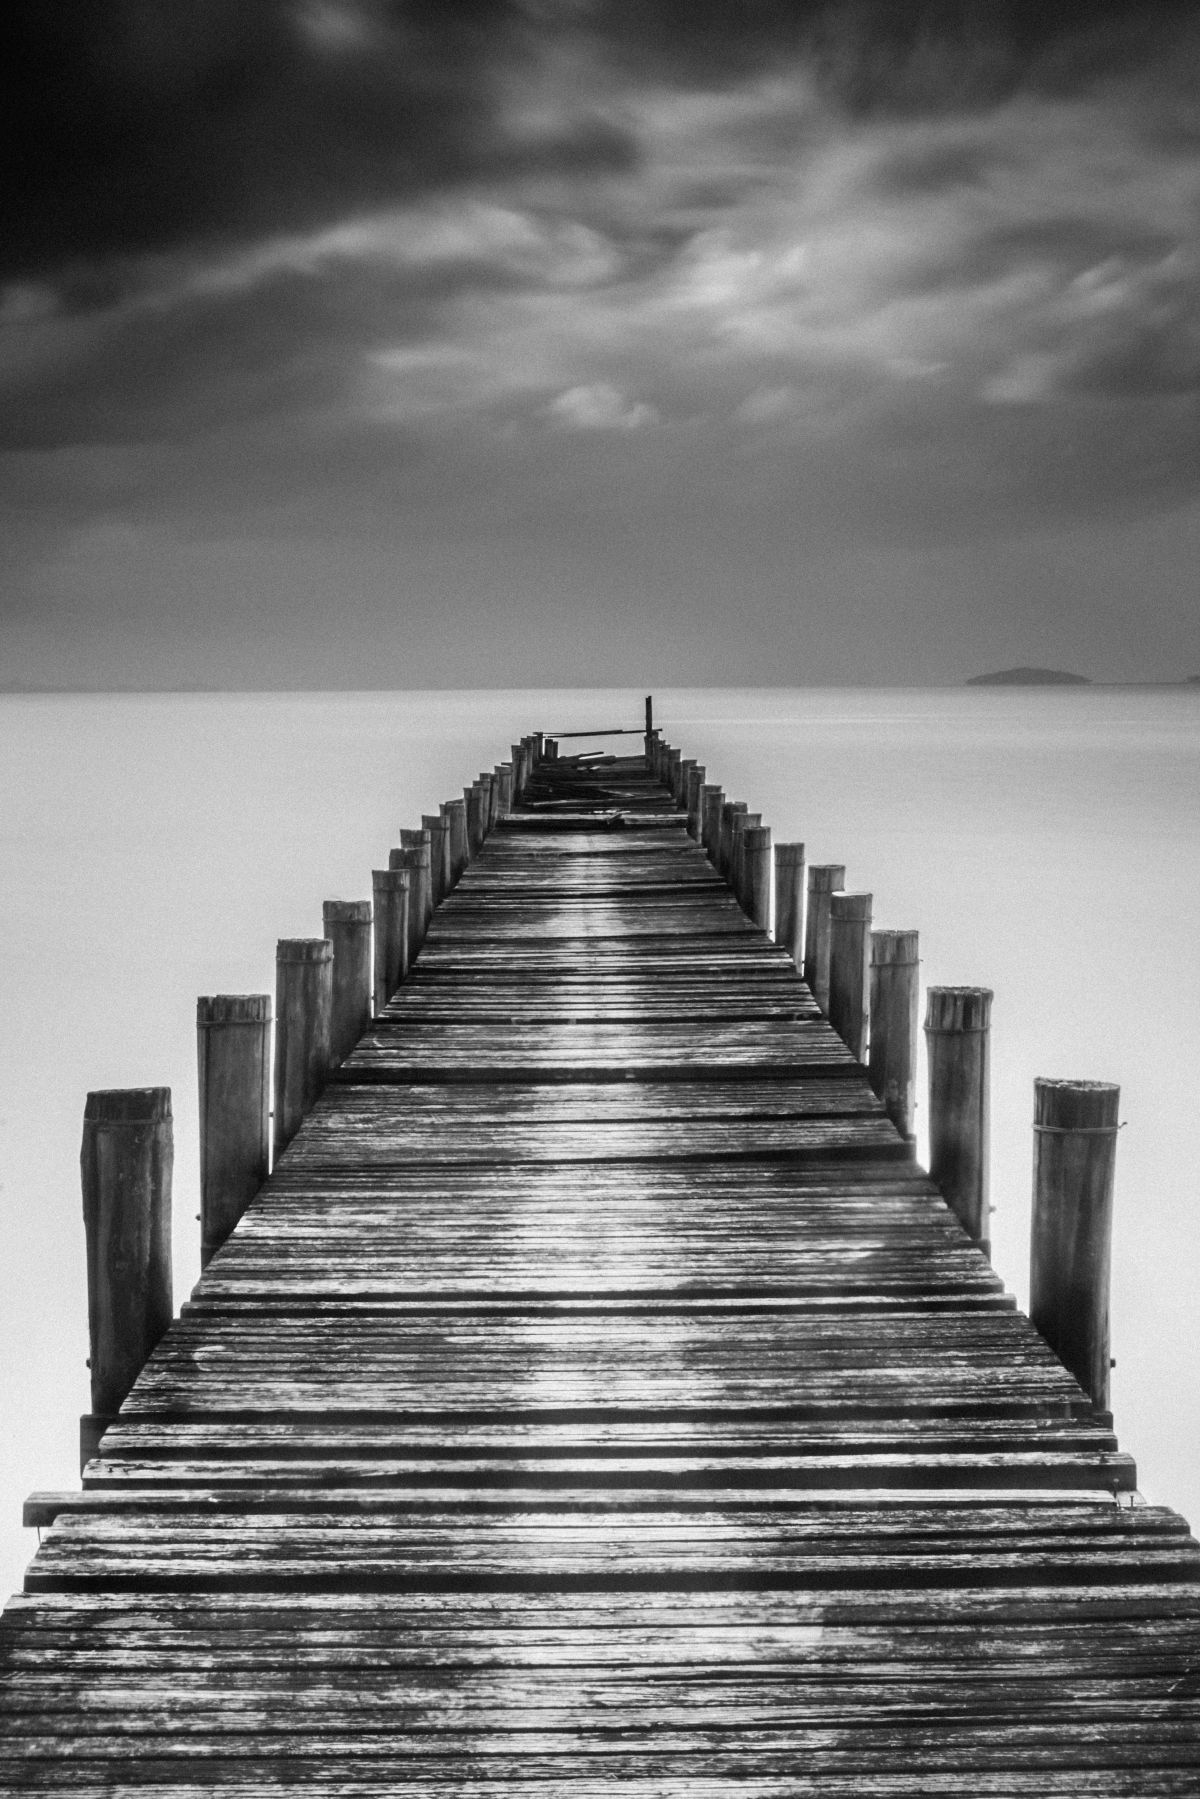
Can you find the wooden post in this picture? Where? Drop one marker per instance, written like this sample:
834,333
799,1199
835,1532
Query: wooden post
389,888
497,795
348,928
695,787
125,1167
233,1054
649,727
303,1004
551,749
506,790
756,875
742,822
455,814
849,969
473,803
674,758
712,800
682,778
516,755
824,880
484,784
1074,1160
439,855
892,1069
420,889
730,810
957,1025
789,900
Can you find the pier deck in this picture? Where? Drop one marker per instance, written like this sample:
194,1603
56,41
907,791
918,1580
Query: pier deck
599,1399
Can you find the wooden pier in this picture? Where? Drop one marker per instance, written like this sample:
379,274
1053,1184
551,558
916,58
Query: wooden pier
598,1399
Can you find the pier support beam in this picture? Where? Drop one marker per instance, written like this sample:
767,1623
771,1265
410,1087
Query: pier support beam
895,1017
789,899
389,888
824,880
125,1166
233,1055
348,928
957,1038
849,969
1074,1160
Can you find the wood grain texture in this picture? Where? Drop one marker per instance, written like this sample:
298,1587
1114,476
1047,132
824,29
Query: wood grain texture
599,1400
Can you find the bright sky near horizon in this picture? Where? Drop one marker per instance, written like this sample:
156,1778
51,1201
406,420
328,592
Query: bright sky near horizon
506,342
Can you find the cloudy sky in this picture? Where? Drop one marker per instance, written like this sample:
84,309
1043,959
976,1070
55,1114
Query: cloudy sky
465,342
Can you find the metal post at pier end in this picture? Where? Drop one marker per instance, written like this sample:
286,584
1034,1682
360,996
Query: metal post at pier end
1074,1161
895,1019
438,827
789,900
712,800
389,887
348,928
849,969
957,1039
824,880
757,869
125,1168
233,1059
303,1004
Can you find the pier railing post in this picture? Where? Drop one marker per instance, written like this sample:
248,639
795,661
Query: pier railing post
389,889
849,969
125,1167
824,880
439,856
1074,1160
233,1055
789,899
895,1019
692,800
757,870
957,1038
303,1005
712,802
455,814
348,928
418,848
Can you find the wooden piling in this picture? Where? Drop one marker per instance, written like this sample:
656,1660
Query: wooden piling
894,1014
505,804
125,1167
516,756
455,813
957,1037
849,969
472,799
757,868
730,809
389,887
348,928
420,889
486,802
674,758
1074,1160
682,778
303,1006
439,856
789,900
824,880
550,749
697,775
649,724
233,1055
712,800
742,822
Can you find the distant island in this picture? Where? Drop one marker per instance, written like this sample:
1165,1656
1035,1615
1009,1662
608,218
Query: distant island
1029,677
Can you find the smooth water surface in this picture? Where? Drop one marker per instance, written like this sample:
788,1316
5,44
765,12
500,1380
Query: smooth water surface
1046,843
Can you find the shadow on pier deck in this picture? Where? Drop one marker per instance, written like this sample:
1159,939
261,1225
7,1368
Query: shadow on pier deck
599,1399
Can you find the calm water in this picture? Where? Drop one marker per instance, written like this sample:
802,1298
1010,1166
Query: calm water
1046,844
